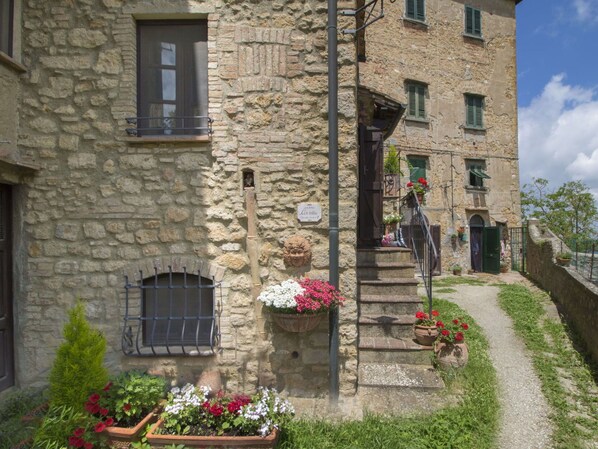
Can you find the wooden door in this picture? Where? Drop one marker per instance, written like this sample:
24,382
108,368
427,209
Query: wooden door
371,186
491,249
6,335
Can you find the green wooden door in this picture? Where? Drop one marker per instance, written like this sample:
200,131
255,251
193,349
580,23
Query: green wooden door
491,250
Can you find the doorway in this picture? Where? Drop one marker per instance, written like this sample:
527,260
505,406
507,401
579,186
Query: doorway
6,317
485,246
476,229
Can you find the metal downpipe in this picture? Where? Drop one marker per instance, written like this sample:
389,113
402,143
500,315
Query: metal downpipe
333,230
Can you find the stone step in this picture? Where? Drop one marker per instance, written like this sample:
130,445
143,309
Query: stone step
402,401
393,350
402,286
382,270
396,326
371,255
390,304
399,375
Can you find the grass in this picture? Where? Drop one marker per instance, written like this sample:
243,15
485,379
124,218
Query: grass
473,423
567,380
12,408
457,280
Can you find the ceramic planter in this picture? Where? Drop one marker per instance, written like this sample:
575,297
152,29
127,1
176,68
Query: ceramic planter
122,437
451,355
159,441
299,322
563,262
425,335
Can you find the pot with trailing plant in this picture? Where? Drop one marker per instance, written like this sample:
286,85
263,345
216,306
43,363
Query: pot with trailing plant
457,269
391,222
194,418
298,305
564,258
425,329
392,172
419,188
450,348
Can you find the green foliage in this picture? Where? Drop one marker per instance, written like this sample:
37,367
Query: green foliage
391,162
133,395
553,357
570,211
565,255
13,406
472,424
78,367
58,425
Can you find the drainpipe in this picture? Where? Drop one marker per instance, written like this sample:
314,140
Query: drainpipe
253,254
333,239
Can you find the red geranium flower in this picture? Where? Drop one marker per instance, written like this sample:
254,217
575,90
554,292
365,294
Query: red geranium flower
439,324
79,432
455,321
216,410
103,411
99,427
88,446
94,398
459,336
446,332
409,184
465,326
108,386
127,407
76,442
435,313
109,421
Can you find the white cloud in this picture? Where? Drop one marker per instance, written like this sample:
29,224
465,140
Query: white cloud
586,10
558,135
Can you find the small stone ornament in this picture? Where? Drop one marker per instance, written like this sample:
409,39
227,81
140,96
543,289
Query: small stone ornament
297,251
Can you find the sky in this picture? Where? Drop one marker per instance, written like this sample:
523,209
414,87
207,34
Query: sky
557,58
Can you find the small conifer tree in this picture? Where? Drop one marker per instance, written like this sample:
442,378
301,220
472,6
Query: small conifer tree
78,368
391,162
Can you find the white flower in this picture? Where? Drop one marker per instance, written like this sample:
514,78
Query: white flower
281,296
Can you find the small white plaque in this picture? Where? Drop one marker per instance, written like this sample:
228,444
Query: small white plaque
309,212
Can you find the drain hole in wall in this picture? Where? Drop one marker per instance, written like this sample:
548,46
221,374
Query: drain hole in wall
295,354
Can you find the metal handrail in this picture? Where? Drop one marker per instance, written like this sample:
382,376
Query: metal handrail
423,247
167,125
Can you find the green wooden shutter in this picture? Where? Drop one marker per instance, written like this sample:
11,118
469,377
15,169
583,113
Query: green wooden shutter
418,168
410,9
412,100
421,101
477,22
469,20
420,12
470,113
478,122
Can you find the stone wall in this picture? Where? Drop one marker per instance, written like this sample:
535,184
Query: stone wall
450,64
577,298
104,203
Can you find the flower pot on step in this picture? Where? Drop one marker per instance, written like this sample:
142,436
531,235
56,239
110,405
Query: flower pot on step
122,437
425,335
451,355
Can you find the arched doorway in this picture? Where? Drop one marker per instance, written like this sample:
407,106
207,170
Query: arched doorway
476,230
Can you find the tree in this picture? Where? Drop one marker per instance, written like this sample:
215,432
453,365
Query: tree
570,211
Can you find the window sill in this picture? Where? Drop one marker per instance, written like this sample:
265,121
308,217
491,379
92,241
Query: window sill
417,120
481,129
12,63
413,21
474,37
475,189
169,139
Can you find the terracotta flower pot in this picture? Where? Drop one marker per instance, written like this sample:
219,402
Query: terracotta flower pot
563,262
122,437
159,441
297,322
425,335
451,355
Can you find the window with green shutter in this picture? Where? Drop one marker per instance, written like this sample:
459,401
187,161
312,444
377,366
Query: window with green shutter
6,30
476,171
474,111
473,21
416,10
417,167
416,94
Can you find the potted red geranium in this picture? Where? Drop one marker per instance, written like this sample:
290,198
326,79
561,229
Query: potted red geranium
419,188
425,328
450,349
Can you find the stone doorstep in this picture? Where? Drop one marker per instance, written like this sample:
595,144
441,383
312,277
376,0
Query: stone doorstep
399,376
399,299
390,281
387,319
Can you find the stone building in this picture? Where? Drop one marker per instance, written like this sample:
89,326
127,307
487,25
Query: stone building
452,64
151,143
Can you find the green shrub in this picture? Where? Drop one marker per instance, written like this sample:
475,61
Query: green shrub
58,425
13,407
78,367
391,162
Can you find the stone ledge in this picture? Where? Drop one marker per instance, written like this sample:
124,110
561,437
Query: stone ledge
12,63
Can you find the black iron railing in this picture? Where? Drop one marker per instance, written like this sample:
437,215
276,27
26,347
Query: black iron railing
584,258
424,250
165,126
171,313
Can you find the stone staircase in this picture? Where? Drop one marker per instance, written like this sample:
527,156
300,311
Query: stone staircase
395,372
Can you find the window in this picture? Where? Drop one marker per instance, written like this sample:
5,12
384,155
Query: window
474,115
416,94
476,171
417,167
473,21
6,12
172,84
415,9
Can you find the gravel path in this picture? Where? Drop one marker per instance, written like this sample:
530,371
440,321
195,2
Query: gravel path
524,411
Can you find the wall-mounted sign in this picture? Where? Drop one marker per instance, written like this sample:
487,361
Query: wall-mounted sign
309,212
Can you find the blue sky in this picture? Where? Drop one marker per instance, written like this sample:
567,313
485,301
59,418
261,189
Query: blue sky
557,55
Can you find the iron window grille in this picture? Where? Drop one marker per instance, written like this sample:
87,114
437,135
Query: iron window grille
172,313
166,126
